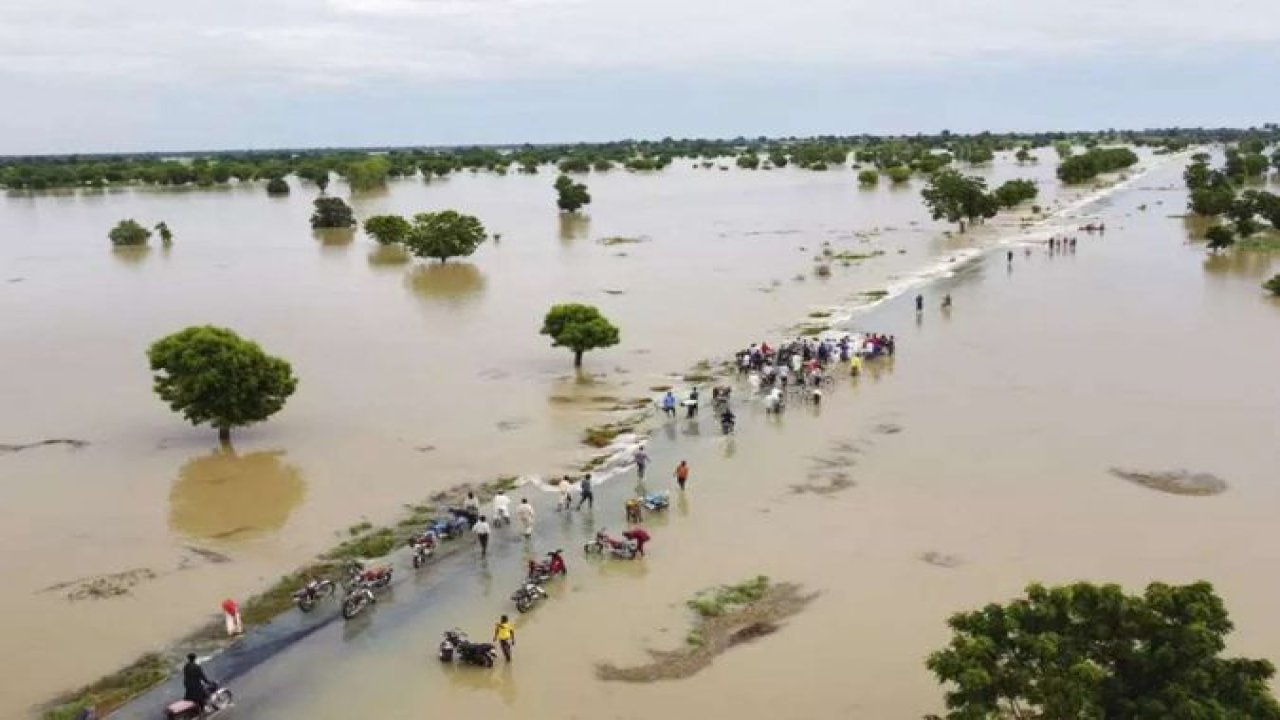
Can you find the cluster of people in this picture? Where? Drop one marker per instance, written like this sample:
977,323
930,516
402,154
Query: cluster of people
1062,244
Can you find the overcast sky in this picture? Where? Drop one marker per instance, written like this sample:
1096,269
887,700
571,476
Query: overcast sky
107,75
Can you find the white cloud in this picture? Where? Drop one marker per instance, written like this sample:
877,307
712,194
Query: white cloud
306,41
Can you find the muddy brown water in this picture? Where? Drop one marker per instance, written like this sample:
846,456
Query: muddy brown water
1011,410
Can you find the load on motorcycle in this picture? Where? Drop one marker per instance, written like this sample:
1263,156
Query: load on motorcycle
422,544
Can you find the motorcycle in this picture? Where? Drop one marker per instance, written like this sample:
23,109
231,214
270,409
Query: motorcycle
361,595
454,527
422,545
656,501
540,572
617,547
456,645
220,699
313,592
530,592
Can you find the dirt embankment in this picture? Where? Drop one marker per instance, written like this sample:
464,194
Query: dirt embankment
726,617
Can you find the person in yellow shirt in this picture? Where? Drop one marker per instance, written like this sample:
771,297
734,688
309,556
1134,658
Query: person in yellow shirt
504,633
855,366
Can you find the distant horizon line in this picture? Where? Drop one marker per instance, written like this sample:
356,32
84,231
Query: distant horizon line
1270,126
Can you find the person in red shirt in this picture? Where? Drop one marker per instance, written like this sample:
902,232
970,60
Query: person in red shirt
639,537
232,612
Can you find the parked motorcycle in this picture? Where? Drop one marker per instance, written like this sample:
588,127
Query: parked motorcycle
530,593
422,545
220,699
456,645
313,592
540,572
616,547
363,584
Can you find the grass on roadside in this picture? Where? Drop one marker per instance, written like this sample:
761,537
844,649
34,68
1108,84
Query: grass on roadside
112,691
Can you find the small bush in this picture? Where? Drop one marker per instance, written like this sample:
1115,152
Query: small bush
1273,285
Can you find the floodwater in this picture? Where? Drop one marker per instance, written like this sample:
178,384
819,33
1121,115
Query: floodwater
414,377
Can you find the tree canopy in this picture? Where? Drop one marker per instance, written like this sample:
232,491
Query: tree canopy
166,235
129,233
869,177
571,195
1219,237
332,212
1092,651
387,229
899,174
579,328
957,198
1013,192
1093,162
277,186
211,375
1273,285
445,234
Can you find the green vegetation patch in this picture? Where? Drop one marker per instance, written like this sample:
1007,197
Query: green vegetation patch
718,601
372,545
112,691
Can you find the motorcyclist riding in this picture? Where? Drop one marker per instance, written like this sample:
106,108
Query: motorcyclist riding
195,683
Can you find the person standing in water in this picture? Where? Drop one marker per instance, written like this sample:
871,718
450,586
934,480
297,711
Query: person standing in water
642,461
946,301
669,404
682,474
524,513
585,495
919,304
481,529
504,633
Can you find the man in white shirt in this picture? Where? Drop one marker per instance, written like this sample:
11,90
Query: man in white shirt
481,529
524,513
501,509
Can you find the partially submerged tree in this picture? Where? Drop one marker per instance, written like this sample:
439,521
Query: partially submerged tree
445,234
277,186
166,235
571,195
898,174
579,328
869,177
1220,237
129,233
1013,192
332,212
387,229
957,198
1272,286
211,375
1091,651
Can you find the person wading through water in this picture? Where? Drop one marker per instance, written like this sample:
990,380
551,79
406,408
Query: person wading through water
682,473
504,633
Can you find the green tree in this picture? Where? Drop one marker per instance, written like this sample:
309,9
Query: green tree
898,174
128,233
387,229
368,174
1023,155
166,235
1220,237
1091,163
277,186
869,177
1091,651
211,375
748,161
1013,192
332,212
445,234
957,198
1272,286
570,195
779,159
579,328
